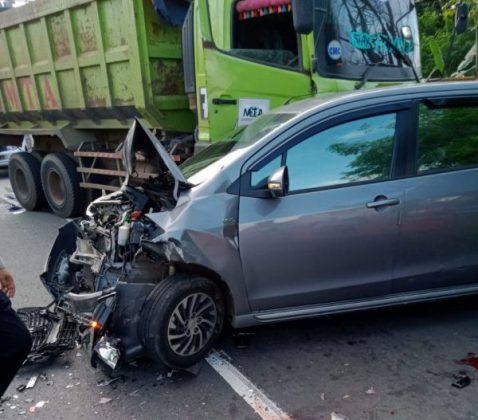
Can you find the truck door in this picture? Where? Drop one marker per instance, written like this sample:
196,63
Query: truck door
254,63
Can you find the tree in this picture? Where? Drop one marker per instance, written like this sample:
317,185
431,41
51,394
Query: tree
436,21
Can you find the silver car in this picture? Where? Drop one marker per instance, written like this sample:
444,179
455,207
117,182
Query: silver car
353,201
5,153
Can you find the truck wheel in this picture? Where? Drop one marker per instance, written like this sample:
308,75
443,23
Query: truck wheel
61,185
24,173
181,320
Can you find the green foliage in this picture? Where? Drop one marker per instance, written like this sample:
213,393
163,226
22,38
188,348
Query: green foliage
436,21
437,56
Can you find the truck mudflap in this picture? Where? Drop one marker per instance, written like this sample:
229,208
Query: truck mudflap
52,333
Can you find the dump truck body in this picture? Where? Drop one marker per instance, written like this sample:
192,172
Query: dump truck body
90,65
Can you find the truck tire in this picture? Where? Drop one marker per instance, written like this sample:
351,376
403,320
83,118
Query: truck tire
182,318
61,184
24,173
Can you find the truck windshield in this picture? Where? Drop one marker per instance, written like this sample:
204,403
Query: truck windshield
357,35
239,139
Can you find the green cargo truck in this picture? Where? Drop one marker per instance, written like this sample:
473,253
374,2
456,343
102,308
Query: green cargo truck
74,74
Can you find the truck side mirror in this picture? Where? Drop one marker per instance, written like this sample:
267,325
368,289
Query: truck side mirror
278,182
461,18
303,15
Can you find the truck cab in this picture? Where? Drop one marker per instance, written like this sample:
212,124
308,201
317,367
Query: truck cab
242,58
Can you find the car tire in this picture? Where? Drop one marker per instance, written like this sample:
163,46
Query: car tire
24,174
181,320
61,184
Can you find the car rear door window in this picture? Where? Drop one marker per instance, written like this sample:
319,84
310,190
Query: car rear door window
448,138
356,151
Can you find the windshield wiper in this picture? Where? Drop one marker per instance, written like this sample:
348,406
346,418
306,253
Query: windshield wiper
399,54
364,78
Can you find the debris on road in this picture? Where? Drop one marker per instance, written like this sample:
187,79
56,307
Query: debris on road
32,382
105,400
37,406
110,381
462,380
370,391
470,360
21,388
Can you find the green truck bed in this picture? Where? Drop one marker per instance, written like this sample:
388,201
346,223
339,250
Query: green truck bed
90,64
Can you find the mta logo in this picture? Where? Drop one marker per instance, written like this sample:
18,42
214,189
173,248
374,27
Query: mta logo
252,112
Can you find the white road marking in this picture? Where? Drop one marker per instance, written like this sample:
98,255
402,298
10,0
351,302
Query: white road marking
261,404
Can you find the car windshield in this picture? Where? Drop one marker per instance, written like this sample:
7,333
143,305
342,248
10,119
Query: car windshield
239,139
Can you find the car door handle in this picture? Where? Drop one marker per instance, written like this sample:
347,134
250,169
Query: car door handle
224,101
383,203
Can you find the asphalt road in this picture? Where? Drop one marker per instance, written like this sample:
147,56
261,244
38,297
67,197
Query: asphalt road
384,364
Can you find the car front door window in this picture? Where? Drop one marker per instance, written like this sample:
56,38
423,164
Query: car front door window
357,151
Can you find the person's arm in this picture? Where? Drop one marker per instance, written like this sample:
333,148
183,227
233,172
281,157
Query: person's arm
6,281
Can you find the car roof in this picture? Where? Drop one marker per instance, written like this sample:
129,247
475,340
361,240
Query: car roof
384,94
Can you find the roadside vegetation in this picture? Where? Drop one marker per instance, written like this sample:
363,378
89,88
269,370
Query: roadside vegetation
436,21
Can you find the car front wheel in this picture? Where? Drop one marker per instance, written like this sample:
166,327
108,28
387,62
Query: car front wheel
181,320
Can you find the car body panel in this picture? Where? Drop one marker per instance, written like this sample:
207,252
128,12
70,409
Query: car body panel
438,232
308,248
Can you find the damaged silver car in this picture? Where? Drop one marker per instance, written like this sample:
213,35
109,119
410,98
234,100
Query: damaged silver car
329,205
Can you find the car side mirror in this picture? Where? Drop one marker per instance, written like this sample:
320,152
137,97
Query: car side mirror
278,182
303,15
461,18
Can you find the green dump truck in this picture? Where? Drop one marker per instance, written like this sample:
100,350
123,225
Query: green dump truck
74,74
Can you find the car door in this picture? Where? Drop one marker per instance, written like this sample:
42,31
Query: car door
333,237
439,226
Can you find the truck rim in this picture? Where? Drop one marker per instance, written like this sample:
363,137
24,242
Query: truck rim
56,188
192,324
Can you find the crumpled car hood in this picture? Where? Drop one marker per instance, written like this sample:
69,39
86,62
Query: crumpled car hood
142,146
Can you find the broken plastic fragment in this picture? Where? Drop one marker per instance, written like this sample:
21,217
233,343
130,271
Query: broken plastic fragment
105,400
31,383
370,391
21,388
462,380
470,360
38,405
106,382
